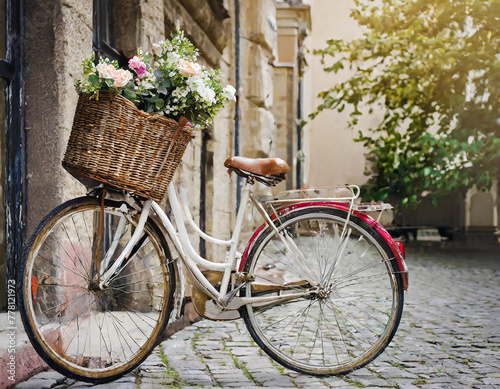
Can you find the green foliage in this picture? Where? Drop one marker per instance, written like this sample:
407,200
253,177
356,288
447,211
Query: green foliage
433,68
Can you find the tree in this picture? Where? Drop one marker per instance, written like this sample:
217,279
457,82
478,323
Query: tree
433,67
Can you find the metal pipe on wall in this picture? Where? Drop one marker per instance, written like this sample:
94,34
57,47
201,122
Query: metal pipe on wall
237,60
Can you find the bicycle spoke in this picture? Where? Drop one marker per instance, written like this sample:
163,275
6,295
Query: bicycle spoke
67,303
340,312
360,280
149,269
79,239
366,312
375,262
65,286
302,328
137,326
104,340
294,315
290,264
331,335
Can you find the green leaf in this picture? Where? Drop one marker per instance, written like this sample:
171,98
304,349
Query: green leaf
159,103
94,79
130,95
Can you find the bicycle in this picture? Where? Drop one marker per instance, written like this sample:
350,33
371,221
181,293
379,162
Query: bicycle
319,285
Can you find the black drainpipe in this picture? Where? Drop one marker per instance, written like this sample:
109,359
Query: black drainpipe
203,186
15,138
237,60
299,124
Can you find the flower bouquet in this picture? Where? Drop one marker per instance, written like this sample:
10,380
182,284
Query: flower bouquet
168,82
132,126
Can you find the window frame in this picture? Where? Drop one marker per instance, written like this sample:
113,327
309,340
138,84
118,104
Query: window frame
103,38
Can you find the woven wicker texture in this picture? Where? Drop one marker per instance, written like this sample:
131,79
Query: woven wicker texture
114,142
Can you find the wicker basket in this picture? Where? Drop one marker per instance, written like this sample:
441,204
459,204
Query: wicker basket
115,143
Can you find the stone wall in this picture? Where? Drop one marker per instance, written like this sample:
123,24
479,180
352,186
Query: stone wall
258,52
58,38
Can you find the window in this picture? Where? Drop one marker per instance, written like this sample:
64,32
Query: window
103,34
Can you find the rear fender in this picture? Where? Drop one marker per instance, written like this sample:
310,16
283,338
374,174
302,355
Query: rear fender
397,248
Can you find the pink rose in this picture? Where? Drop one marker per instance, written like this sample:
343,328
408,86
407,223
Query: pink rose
135,62
139,66
141,72
105,70
121,77
188,69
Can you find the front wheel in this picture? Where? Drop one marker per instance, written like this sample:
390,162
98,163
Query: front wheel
349,294
82,330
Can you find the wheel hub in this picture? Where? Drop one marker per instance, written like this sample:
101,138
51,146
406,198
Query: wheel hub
95,288
324,293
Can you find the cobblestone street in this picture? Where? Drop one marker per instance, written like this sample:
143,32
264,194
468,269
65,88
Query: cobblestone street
449,337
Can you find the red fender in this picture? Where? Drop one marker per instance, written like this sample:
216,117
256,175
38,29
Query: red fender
396,247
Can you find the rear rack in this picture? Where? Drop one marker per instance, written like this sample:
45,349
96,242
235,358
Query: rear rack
339,193
372,207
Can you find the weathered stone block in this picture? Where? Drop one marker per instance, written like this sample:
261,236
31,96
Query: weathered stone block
258,23
257,140
152,22
257,74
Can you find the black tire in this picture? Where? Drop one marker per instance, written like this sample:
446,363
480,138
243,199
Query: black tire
82,332
337,326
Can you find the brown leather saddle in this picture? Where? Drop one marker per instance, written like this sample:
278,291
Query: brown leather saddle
269,171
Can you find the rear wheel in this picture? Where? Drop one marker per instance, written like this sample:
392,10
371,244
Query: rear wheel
339,323
79,329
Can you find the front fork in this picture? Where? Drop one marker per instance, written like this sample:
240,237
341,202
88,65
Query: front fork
104,247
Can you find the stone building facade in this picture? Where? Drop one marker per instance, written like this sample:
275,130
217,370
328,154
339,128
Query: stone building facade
239,36
42,45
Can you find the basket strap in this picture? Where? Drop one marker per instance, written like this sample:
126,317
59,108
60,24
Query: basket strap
182,123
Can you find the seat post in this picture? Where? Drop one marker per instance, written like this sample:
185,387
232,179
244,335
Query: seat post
240,217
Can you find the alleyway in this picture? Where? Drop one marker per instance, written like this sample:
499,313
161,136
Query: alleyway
449,337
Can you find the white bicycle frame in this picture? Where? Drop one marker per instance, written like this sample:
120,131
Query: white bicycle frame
190,258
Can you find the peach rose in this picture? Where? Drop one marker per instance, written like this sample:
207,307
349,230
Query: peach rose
121,77
105,70
188,69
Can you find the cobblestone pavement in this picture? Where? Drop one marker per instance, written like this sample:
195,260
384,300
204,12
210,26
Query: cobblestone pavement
449,337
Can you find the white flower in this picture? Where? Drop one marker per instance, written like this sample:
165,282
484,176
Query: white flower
146,84
173,59
208,95
229,92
